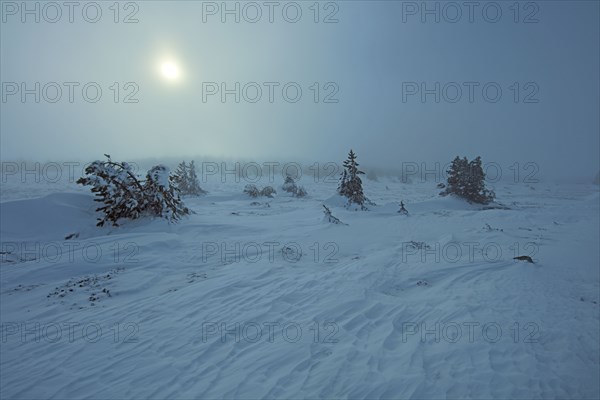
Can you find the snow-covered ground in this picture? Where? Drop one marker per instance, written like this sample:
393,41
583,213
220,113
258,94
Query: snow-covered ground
262,298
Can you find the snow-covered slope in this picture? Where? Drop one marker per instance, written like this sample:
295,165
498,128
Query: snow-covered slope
260,298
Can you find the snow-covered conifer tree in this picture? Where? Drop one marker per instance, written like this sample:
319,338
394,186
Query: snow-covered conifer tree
467,180
351,184
192,178
161,195
186,179
125,196
180,178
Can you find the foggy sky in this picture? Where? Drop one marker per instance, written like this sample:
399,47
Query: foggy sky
373,54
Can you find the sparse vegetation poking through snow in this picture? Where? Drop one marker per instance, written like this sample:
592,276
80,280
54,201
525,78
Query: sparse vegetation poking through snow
124,196
524,258
488,228
94,288
402,210
467,180
301,192
330,218
417,245
186,179
290,186
253,191
268,191
350,183
291,254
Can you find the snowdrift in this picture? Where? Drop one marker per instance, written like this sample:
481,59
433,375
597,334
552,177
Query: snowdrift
261,298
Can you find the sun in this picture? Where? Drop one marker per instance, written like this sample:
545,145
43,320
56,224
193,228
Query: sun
170,70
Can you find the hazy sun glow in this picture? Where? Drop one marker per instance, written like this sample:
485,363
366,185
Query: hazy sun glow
170,70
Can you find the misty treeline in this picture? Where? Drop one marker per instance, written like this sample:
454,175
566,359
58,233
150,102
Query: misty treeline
124,195
466,179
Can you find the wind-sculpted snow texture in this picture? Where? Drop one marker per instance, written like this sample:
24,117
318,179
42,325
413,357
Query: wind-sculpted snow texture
265,299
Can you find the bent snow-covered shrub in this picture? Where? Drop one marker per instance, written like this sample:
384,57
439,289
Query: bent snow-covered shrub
253,191
124,196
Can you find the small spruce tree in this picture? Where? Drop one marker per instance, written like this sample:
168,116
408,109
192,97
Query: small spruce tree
457,175
180,178
192,178
186,179
351,184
